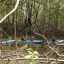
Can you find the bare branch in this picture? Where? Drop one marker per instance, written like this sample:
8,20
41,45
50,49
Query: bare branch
34,59
4,32
17,3
48,43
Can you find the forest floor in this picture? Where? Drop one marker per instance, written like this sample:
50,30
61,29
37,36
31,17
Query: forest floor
10,52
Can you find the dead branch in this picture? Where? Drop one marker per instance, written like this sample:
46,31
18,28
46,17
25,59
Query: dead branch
48,43
46,59
4,32
17,3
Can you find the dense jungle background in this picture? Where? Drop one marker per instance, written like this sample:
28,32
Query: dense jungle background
47,16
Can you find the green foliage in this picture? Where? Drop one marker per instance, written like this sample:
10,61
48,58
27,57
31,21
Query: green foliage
31,55
48,14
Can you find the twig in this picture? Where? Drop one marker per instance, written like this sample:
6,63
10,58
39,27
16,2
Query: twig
4,32
48,43
8,61
46,59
